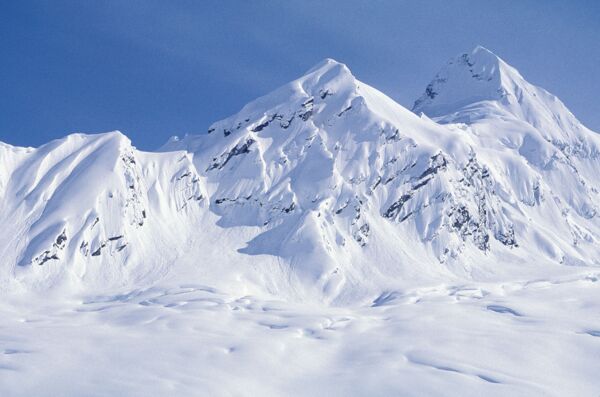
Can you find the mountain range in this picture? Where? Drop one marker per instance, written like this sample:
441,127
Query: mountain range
325,189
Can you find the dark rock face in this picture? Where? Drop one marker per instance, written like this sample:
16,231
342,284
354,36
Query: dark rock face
344,111
266,123
98,251
61,240
134,207
240,148
45,257
396,207
470,209
361,235
117,243
289,209
463,223
430,92
437,163
507,238
325,93
486,218
52,253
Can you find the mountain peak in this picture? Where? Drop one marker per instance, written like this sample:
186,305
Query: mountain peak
325,73
486,64
327,89
481,52
468,78
481,84
328,64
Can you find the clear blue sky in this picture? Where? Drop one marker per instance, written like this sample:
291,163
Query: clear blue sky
153,69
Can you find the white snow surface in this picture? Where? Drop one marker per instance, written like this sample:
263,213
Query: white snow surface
322,241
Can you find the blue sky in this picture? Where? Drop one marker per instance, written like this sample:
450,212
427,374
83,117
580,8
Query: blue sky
153,69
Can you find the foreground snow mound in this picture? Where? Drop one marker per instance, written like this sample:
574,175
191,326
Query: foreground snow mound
536,338
325,188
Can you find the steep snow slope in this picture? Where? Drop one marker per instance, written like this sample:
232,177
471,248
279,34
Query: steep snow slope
87,206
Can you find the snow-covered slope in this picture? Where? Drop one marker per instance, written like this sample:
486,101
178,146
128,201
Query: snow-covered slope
550,159
325,188
91,208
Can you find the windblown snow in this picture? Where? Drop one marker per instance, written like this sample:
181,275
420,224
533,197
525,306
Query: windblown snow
324,240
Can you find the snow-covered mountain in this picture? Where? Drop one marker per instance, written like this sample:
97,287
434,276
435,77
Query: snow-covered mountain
549,159
92,209
325,188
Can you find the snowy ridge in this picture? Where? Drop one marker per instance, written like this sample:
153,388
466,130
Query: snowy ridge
76,205
324,189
